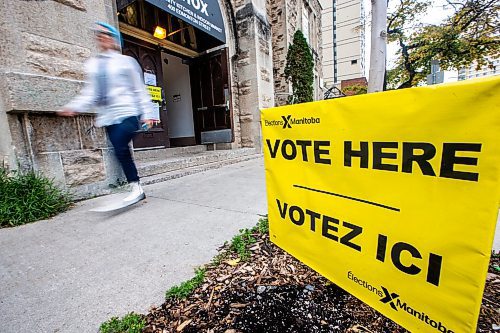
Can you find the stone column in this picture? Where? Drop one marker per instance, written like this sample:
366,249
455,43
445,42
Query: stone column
7,157
281,40
254,68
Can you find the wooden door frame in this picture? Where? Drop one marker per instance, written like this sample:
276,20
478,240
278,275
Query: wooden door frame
226,72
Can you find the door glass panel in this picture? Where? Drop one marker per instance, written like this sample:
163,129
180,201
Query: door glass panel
217,80
206,84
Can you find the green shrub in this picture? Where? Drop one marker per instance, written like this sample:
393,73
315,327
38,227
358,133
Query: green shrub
355,89
131,323
299,69
241,242
28,197
186,288
262,226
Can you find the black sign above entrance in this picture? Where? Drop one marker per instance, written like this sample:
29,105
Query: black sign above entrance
202,14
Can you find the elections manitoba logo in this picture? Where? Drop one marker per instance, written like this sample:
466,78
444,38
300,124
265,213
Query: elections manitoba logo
397,304
288,121
392,299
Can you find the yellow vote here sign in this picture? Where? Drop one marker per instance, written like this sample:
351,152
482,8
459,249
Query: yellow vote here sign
392,196
155,93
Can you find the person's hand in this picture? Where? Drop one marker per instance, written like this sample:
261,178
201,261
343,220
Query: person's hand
148,123
66,113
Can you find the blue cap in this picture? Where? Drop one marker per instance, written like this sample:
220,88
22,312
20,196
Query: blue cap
113,31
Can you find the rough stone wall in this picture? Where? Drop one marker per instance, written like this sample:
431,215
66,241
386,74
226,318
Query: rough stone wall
285,19
280,48
269,8
254,67
292,19
227,8
43,45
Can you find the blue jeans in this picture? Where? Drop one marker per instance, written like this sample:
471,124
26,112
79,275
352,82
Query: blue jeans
120,136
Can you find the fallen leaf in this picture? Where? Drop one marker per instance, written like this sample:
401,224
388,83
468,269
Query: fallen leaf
233,262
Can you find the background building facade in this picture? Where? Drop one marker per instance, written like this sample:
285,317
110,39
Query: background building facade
473,72
288,16
343,41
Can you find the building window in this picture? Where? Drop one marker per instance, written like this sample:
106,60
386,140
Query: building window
305,24
354,62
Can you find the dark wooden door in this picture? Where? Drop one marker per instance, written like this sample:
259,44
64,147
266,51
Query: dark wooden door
150,61
210,93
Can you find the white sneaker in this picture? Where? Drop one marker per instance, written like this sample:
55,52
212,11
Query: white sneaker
136,194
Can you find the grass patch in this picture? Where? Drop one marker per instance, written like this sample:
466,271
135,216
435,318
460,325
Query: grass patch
131,323
262,226
28,197
219,258
186,288
242,242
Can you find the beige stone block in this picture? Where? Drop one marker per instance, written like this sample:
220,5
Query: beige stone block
77,4
44,64
92,137
264,75
64,20
50,133
246,84
114,172
39,93
266,99
83,157
55,58
20,148
50,165
263,46
55,48
246,119
247,142
83,167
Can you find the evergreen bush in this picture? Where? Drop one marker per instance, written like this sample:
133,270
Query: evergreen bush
299,69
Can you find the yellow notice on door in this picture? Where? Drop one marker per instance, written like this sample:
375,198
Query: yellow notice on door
155,93
393,196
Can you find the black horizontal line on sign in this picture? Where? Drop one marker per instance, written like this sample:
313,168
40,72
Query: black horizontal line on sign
348,197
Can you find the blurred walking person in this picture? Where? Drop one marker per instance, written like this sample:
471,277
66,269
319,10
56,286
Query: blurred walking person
115,87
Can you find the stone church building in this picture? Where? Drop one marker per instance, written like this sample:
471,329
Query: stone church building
210,65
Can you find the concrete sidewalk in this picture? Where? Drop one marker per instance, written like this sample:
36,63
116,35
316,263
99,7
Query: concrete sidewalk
71,273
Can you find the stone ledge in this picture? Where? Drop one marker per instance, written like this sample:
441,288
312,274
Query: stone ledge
36,92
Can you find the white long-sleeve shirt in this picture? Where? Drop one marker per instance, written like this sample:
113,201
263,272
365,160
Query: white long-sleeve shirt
126,93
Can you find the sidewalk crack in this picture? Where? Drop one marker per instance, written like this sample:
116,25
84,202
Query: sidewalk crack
205,206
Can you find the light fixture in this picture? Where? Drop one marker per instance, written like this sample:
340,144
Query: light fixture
160,32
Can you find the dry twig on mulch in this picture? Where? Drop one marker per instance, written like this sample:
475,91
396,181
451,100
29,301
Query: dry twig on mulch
274,292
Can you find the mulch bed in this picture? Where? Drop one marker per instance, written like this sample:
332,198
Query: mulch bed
274,292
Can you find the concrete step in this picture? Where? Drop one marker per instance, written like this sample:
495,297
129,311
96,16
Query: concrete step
175,167
153,179
160,154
